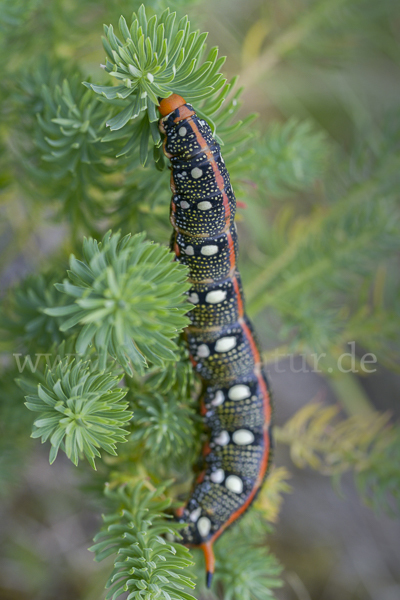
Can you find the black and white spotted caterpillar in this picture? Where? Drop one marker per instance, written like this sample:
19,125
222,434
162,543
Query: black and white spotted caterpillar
235,401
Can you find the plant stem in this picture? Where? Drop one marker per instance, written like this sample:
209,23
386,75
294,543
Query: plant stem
350,393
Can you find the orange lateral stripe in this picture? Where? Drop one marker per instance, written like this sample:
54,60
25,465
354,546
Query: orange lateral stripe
206,449
239,297
218,177
172,214
172,184
200,477
257,360
266,396
253,346
167,154
232,258
203,408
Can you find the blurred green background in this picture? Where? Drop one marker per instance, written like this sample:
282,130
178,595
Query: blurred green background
335,63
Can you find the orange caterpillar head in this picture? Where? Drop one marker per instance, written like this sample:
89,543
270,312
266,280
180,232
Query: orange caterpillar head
168,105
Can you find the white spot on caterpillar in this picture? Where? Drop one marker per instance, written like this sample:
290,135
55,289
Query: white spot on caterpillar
209,250
234,483
205,205
216,296
239,392
204,526
196,173
225,344
185,204
194,515
243,437
222,439
203,351
194,298
182,131
218,399
189,250
217,476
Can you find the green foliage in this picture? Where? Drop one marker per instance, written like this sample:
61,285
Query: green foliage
329,25
15,426
67,130
270,498
128,297
34,94
364,444
292,155
70,131
23,319
308,282
156,58
177,376
379,481
246,572
81,410
143,203
145,565
11,15
164,421
163,425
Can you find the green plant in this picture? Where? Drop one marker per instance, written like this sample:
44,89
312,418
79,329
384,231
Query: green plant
155,58
145,565
80,411
128,297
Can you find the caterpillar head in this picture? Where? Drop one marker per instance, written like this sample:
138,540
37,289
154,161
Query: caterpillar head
168,105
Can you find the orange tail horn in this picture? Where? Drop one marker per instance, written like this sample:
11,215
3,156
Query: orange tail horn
210,561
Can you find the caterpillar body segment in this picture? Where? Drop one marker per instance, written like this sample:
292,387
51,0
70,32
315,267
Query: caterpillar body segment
235,400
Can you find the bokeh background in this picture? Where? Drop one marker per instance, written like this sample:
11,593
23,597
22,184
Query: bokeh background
335,63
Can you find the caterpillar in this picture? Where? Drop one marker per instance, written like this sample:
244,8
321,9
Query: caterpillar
235,401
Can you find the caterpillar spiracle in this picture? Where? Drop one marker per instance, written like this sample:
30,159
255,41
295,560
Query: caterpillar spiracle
235,401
